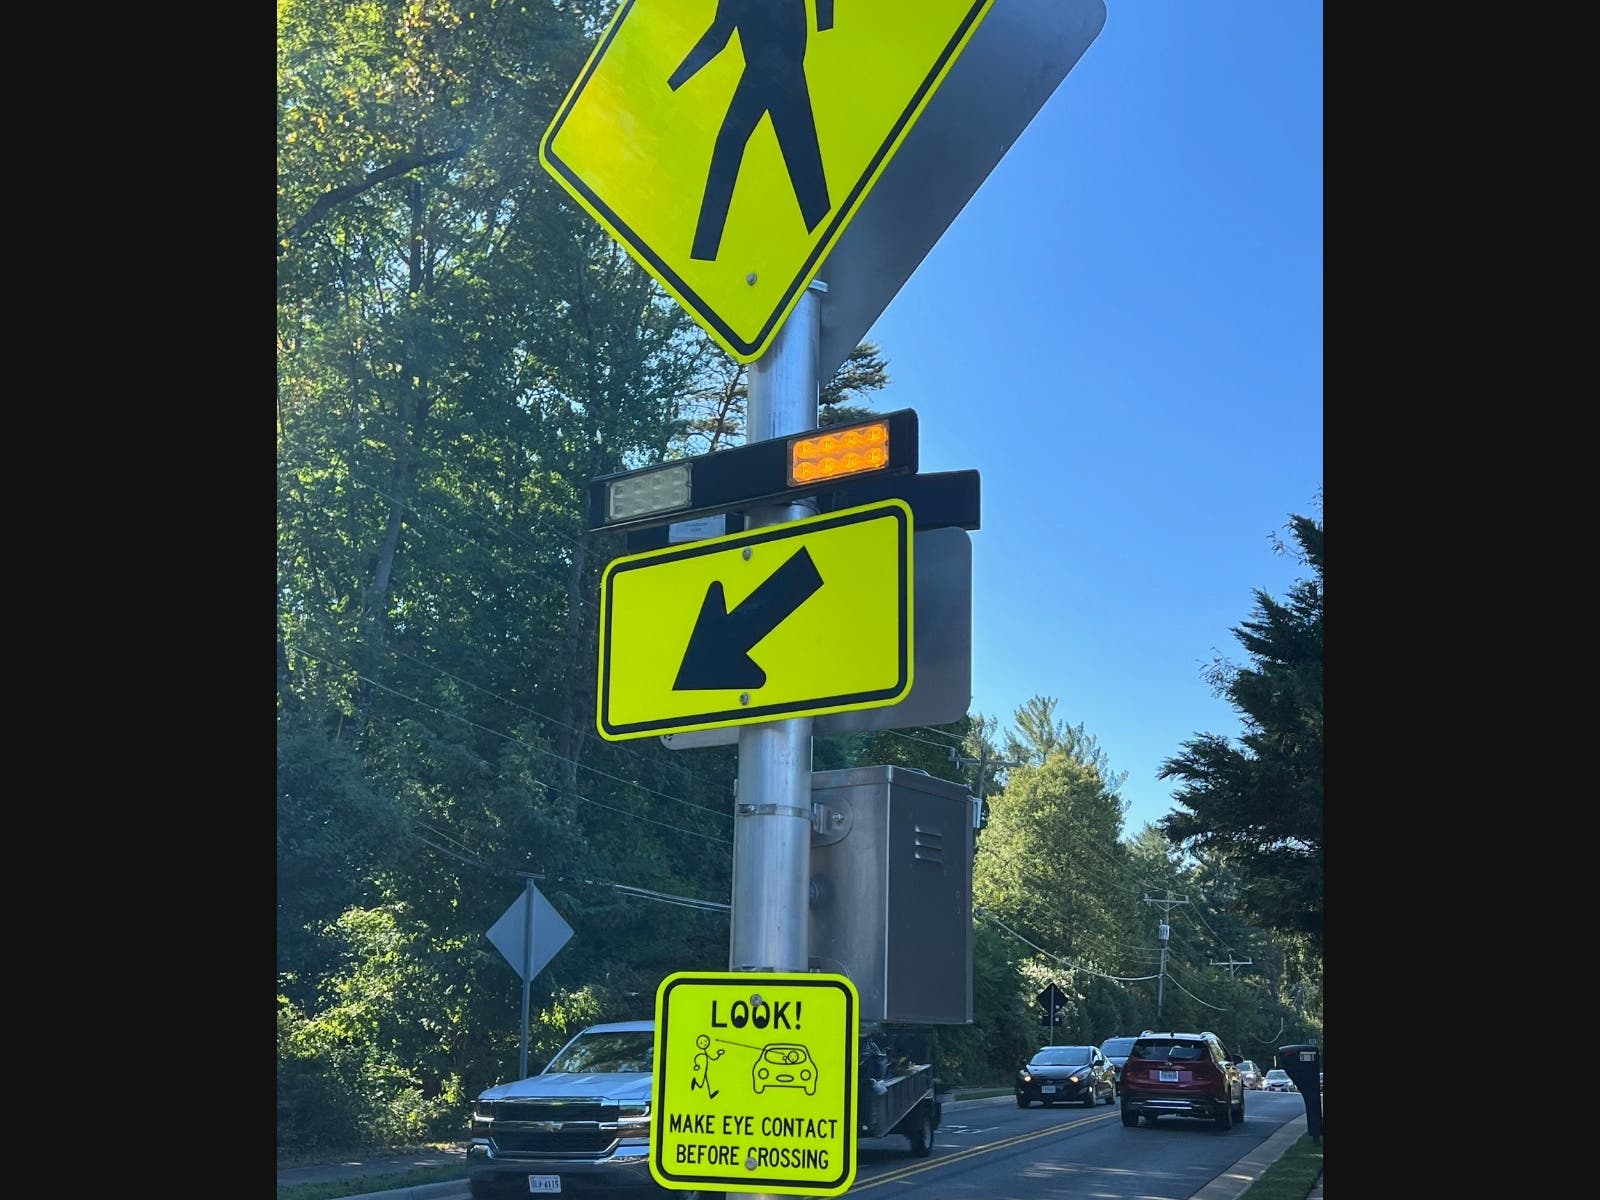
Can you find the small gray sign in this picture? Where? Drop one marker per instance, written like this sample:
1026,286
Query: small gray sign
697,530
528,956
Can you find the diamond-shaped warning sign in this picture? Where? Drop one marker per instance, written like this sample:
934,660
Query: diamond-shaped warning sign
727,143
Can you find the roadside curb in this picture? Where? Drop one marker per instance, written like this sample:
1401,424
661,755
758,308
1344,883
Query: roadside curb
449,1189
1247,1170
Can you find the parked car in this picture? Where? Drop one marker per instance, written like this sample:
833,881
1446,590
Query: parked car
580,1125
1251,1075
1116,1051
1278,1081
1182,1074
1079,1073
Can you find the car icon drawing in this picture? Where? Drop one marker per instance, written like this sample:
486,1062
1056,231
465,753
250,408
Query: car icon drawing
782,1065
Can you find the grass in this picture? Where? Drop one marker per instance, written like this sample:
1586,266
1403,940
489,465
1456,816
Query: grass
376,1182
1292,1176
373,1183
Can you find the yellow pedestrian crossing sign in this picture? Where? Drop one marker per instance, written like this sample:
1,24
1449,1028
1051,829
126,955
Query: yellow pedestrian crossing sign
755,1077
789,620
727,143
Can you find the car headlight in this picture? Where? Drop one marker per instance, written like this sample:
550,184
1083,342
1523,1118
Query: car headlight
1024,1076
1072,1079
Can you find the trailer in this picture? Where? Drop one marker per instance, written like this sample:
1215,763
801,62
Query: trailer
898,1097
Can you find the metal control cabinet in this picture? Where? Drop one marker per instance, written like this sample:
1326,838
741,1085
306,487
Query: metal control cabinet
891,891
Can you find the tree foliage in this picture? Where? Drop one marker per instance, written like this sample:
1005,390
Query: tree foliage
1047,867
716,408
1258,806
459,350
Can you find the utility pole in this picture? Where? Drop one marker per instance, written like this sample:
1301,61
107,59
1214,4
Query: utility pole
983,762
772,824
1165,930
1231,964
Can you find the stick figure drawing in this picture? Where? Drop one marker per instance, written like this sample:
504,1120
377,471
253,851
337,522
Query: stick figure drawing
702,1065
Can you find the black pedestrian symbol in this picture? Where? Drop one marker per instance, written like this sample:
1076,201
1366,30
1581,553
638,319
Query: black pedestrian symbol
702,1065
772,35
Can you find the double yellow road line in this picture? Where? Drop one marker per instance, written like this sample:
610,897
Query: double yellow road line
989,1148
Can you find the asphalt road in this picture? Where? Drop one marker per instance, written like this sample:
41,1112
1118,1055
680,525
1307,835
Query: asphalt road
992,1150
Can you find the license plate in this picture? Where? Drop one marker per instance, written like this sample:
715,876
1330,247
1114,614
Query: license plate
1167,1076
1047,1088
544,1184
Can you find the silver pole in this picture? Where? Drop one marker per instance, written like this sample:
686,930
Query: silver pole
772,824
527,973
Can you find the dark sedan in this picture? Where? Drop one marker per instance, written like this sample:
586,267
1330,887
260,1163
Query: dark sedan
1076,1073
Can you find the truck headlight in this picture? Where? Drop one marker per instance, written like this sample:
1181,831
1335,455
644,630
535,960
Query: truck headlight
633,1120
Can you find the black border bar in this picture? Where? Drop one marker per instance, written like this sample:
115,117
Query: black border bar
755,473
938,500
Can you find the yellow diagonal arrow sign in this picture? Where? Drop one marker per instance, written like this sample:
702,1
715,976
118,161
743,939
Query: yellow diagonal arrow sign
792,620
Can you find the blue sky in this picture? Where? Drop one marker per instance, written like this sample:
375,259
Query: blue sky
1122,332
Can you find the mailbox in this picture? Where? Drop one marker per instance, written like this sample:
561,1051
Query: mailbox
1304,1065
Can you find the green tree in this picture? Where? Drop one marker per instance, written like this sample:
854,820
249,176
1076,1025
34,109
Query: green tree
459,350
1257,807
1047,864
716,405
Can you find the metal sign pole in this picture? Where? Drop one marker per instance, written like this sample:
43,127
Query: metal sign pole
527,973
772,824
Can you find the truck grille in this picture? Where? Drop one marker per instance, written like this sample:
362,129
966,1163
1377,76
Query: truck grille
580,1126
552,1110
566,1141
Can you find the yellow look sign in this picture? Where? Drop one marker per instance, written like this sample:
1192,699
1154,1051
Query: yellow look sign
791,620
727,143
755,1083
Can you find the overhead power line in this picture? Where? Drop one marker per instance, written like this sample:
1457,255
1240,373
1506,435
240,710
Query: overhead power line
1195,998
1050,954
433,708
642,893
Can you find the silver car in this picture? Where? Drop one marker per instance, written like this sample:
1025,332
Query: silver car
1116,1051
1251,1075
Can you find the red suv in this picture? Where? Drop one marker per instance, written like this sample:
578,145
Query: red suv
1185,1074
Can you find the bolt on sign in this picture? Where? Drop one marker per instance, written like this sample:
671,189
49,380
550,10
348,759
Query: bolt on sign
790,620
755,1082
729,166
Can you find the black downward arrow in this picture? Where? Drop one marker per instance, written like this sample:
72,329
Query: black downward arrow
719,648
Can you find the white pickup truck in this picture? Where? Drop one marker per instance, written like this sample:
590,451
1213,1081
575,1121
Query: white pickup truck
581,1127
